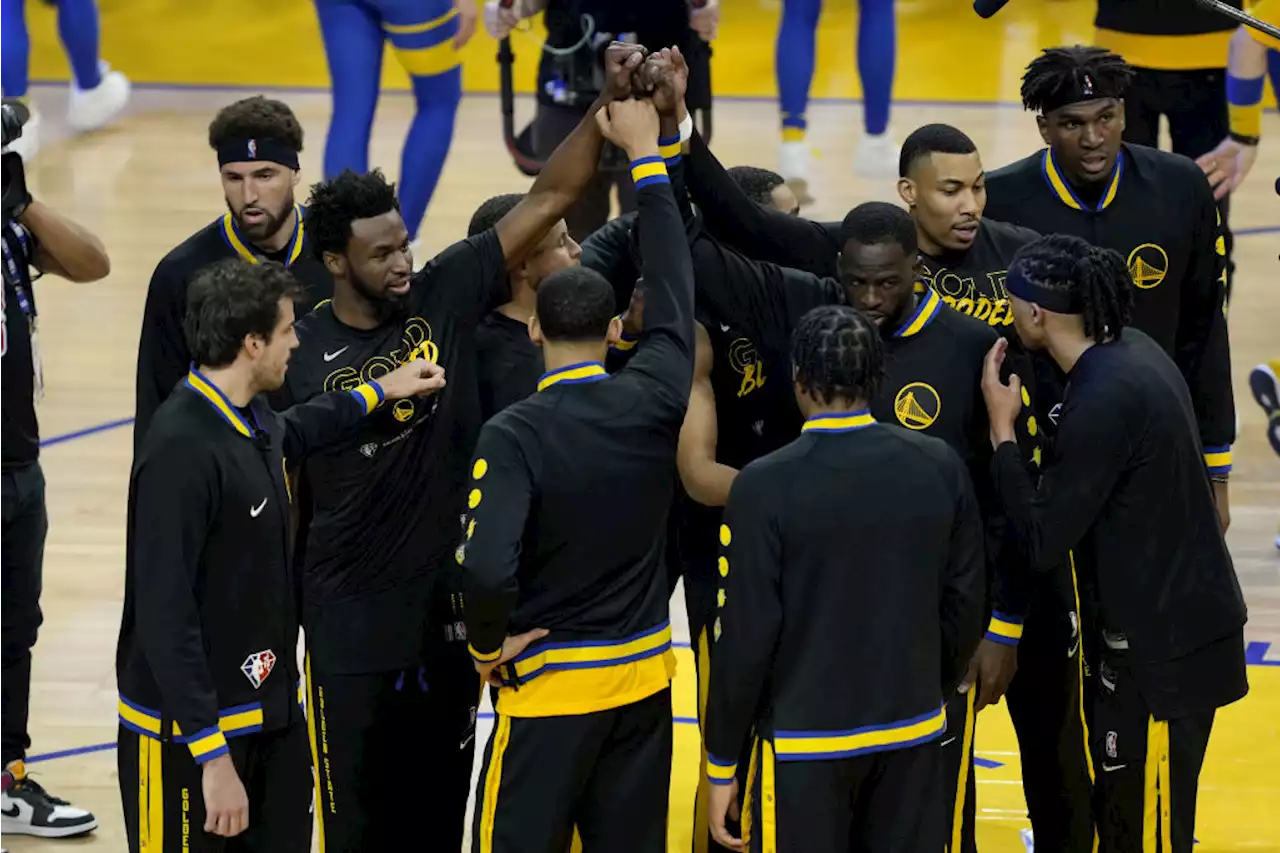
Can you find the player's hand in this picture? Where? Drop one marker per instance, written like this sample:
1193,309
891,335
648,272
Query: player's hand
670,77
1004,401
467,16
991,669
632,125
621,59
721,800
633,317
1228,165
704,21
226,805
511,648
1222,497
416,378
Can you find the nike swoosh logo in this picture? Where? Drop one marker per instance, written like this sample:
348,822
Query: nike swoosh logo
10,811
330,356
256,511
1110,767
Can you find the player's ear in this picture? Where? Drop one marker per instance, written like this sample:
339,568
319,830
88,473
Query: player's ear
615,331
297,176
1042,124
336,264
535,330
907,191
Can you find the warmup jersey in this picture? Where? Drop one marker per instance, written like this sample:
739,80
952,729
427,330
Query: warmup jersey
163,356
1157,211
386,506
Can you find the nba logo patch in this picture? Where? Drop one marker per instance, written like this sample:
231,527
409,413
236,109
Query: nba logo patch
253,148
1111,744
1088,85
258,666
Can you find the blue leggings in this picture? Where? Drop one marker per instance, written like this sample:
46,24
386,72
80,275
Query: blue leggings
421,32
794,60
78,30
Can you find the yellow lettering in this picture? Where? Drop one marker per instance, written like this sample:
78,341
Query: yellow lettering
996,310
983,311
965,306
186,819
752,378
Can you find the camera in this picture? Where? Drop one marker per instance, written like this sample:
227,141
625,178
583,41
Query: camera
13,115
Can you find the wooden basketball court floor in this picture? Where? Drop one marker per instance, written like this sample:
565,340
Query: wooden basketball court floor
146,183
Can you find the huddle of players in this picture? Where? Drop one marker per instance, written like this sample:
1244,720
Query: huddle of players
552,532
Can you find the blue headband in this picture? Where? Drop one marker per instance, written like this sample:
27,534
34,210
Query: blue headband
1050,299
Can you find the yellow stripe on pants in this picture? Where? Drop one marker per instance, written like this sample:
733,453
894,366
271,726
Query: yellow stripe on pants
150,795
701,826
768,801
1156,814
1084,723
314,709
492,781
962,780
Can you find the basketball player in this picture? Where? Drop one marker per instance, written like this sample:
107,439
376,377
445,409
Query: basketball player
583,733
793,64
426,36
211,731
257,141
98,94
41,239
1153,207
1168,639
1178,52
383,609
858,654
964,257
765,188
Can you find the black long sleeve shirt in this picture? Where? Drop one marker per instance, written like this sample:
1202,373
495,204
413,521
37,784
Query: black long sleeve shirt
209,635
163,354
1126,489
1158,212
852,597
568,507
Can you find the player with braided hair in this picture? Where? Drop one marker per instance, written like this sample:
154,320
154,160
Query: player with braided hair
882,594
1153,207
1166,642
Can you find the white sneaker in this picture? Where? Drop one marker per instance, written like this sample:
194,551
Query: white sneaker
28,143
877,157
90,109
793,165
28,809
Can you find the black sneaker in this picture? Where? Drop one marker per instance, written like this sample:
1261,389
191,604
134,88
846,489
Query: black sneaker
26,808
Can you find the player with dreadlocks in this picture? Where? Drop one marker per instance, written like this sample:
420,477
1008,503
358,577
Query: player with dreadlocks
1166,635
1153,207
867,630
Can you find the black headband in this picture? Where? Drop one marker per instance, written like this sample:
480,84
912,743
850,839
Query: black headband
1082,87
267,149
1057,301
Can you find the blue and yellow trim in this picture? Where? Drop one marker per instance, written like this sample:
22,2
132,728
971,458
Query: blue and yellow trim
838,422
926,310
369,395
669,149
1218,460
573,374
205,744
1062,189
1004,628
626,342
242,247
584,676
647,171
197,382
1244,104
484,657
720,771
426,49
820,745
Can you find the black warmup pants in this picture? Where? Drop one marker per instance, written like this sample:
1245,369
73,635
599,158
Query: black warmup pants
1047,709
700,589
959,789
387,742
163,797
885,802
1195,103
607,774
1147,771
21,560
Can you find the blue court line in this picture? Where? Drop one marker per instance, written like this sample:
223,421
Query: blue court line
87,431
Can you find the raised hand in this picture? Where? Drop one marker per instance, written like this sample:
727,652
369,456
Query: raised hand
668,73
632,125
621,59
416,378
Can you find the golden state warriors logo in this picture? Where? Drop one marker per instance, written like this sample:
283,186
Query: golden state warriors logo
415,342
1148,265
746,361
917,405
